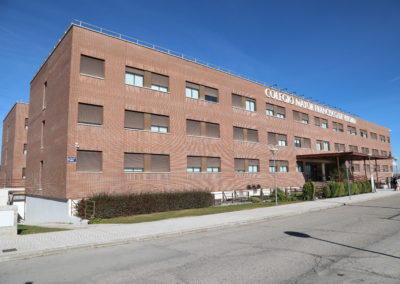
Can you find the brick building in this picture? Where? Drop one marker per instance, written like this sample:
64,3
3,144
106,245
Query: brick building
14,147
110,115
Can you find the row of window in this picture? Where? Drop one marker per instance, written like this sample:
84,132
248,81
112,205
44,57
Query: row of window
94,67
91,161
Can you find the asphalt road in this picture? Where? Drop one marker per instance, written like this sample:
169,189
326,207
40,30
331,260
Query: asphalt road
350,244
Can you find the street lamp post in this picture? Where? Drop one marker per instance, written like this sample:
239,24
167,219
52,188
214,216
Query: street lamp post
274,151
370,173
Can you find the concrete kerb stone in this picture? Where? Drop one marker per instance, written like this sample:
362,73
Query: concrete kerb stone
322,205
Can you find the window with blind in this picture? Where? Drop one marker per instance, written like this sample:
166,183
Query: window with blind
385,168
245,134
146,121
375,152
351,130
196,91
363,133
23,176
25,149
26,123
323,145
384,153
336,126
382,138
353,148
320,122
356,167
247,165
159,123
88,161
365,150
197,164
299,166
339,147
134,76
277,139
143,162
300,117
278,166
374,136
90,114
302,142
202,128
274,110
159,82
91,66
243,102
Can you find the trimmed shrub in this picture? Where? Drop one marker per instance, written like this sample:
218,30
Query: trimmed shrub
282,196
354,188
327,191
342,191
309,191
110,206
254,199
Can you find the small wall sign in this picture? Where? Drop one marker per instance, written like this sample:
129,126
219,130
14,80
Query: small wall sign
71,159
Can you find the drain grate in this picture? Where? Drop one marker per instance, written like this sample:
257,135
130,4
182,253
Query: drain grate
9,250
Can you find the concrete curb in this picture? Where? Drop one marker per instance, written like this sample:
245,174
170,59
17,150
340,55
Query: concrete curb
323,206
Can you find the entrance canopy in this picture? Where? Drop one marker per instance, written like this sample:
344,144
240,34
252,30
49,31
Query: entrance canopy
355,156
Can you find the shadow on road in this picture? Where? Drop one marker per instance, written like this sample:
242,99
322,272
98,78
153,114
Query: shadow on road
305,236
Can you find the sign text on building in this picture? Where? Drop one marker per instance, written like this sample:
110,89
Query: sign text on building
307,105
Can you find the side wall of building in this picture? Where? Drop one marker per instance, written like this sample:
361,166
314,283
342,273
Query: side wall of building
48,125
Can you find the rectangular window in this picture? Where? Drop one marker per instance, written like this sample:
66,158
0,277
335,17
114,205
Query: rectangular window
323,145
356,167
25,149
133,162
353,148
44,95
159,123
351,130
299,167
277,139
274,110
243,102
385,168
23,176
375,152
41,165
321,122
196,164
91,66
365,150
159,82
297,142
278,166
211,94
374,136
134,77
42,135
339,147
301,142
382,138
26,123
336,126
300,117
363,133
134,120
246,165
388,139
384,153
245,134
90,114
202,128
159,163
89,161
192,90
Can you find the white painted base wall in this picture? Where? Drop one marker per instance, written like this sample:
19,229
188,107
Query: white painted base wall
43,210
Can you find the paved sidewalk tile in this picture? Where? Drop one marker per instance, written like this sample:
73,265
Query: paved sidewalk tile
97,235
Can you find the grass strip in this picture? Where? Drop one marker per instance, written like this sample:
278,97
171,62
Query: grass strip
26,230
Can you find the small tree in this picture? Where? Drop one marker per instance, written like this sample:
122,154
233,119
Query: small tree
309,191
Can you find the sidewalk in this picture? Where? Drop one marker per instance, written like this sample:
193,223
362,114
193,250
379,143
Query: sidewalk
97,235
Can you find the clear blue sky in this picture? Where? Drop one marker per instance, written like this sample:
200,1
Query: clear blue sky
343,52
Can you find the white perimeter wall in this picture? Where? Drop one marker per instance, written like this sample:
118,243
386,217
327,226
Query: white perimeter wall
42,210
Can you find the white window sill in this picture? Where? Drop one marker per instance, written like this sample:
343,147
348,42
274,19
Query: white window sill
202,100
197,136
145,130
91,76
245,141
81,172
90,124
203,173
147,172
147,88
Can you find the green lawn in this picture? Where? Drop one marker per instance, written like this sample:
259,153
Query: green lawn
188,212
25,229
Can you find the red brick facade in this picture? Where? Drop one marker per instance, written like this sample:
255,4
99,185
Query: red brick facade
50,175
13,153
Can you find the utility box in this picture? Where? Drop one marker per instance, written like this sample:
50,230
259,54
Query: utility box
8,220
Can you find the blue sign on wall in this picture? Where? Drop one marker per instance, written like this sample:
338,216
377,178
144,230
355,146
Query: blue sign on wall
71,159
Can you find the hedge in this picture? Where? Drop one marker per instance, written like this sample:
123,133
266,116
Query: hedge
110,206
337,189
309,191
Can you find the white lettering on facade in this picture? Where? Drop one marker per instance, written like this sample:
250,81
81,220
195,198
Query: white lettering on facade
307,105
